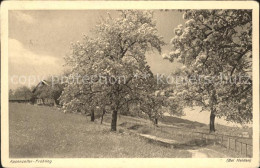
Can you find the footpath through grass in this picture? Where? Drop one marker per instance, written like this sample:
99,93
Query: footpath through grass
183,132
40,131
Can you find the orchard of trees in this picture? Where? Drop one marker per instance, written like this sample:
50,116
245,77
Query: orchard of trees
112,74
212,42
116,54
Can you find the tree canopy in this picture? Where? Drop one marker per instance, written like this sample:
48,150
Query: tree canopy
216,46
21,93
111,65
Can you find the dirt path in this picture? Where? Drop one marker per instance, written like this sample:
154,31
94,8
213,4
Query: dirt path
197,154
206,153
169,141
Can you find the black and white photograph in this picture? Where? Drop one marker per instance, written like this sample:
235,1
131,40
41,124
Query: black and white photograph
91,83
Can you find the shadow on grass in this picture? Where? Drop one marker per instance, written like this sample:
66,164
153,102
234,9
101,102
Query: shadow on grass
181,122
194,144
123,124
135,127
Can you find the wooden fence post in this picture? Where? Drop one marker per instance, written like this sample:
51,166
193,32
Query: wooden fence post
246,149
215,139
235,145
241,147
228,143
222,140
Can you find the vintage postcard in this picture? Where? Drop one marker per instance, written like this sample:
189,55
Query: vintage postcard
130,84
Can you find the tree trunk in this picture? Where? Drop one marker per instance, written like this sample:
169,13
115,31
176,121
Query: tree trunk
104,111
212,122
55,103
92,115
114,120
213,101
156,121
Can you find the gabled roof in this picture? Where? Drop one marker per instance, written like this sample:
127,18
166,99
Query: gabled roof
40,84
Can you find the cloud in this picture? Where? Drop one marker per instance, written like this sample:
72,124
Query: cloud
23,62
24,17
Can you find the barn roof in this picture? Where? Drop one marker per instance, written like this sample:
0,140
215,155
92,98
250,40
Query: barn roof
41,83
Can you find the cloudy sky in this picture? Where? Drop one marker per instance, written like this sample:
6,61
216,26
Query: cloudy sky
38,41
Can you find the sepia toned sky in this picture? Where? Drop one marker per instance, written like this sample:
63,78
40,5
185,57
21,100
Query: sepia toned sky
38,40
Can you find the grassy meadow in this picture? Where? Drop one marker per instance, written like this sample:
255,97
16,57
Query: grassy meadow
40,131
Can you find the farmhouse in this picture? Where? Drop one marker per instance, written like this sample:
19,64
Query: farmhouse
40,99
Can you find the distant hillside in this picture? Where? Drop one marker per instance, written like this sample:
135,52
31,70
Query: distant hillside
179,121
201,127
195,114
